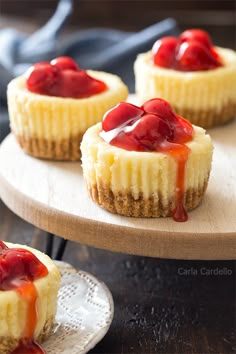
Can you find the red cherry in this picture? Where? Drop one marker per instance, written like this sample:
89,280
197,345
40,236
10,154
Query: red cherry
163,51
126,141
78,84
122,113
151,131
167,52
65,63
183,131
193,56
73,83
160,107
18,264
145,128
94,87
41,78
216,55
62,78
196,35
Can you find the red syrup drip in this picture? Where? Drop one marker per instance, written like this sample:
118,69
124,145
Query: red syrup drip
180,153
18,270
29,347
192,51
152,127
62,77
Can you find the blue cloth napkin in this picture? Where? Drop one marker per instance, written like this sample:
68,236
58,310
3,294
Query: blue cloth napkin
97,48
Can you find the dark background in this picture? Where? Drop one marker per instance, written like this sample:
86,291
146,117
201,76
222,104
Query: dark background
157,310
217,16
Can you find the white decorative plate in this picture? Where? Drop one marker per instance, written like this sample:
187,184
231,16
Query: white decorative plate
85,312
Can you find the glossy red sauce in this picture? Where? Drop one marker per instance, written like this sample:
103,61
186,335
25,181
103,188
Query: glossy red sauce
62,78
29,347
19,268
152,127
191,51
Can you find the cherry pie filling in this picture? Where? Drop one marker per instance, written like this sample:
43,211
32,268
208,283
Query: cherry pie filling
62,77
191,51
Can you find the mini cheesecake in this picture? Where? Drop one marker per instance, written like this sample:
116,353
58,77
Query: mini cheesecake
203,91
144,167
52,106
27,307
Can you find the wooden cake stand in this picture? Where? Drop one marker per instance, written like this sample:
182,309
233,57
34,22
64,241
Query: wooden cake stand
53,197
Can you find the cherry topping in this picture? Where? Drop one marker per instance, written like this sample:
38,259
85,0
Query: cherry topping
41,77
126,141
151,131
62,78
87,86
122,113
194,56
154,121
196,35
192,51
64,63
160,107
183,131
152,127
163,51
18,264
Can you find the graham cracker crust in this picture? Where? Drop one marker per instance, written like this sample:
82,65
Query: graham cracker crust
8,344
208,118
65,149
156,206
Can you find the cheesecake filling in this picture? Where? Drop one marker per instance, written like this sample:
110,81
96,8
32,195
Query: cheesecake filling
19,268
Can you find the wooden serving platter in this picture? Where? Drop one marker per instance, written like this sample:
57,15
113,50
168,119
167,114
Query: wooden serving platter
53,197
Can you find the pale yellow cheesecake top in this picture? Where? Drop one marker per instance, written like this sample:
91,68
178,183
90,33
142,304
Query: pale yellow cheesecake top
198,90
113,82
144,172
228,57
53,117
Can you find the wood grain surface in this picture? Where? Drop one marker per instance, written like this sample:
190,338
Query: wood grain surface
162,306
52,196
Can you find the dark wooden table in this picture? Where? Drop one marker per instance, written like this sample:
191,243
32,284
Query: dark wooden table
161,306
